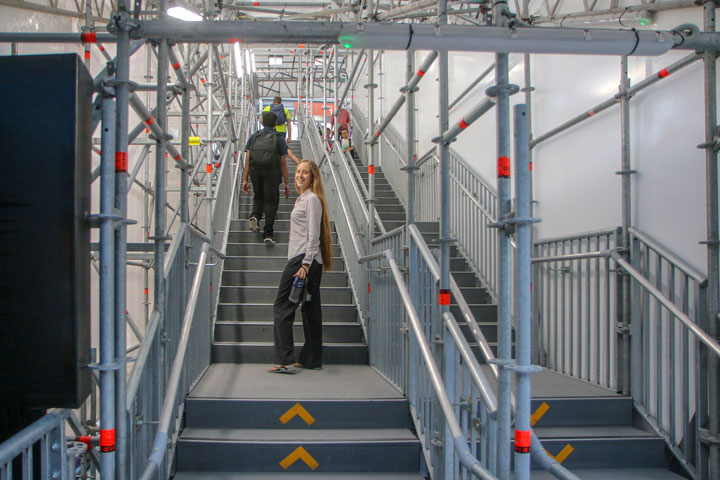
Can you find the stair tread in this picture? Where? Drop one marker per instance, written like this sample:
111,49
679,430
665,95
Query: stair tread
296,476
297,344
583,431
614,474
303,435
333,382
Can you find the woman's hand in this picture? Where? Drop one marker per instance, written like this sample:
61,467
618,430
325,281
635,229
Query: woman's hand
302,271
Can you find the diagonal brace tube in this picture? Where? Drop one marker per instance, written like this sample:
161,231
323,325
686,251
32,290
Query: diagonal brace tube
401,99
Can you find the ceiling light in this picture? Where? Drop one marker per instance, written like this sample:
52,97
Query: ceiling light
252,62
183,11
238,60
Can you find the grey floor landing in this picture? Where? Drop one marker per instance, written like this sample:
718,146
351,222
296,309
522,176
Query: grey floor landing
333,382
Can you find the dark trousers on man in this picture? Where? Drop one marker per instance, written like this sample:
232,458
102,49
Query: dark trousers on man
311,353
266,188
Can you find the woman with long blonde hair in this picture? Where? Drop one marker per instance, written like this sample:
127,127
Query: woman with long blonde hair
309,254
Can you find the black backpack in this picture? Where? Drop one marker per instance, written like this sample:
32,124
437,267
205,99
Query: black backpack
264,153
279,110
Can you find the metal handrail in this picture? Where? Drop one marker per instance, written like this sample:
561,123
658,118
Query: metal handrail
679,314
161,437
669,256
457,294
459,442
26,437
355,171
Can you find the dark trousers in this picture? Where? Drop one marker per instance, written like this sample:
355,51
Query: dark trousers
266,188
311,353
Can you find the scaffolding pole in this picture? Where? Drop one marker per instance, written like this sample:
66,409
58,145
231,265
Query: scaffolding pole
501,91
711,438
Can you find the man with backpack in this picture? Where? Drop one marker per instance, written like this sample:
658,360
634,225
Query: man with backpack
283,117
265,153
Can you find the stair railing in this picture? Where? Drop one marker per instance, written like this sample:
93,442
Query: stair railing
473,202
430,386
48,433
149,379
185,370
394,353
350,218
575,294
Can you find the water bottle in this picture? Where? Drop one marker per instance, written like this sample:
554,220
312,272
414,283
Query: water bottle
297,287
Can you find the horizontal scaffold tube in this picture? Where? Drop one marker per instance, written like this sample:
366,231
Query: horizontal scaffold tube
431,37
401,100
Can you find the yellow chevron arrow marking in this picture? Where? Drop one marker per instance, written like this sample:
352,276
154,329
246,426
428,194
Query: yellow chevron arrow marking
299,454
564,453
297,409
541,410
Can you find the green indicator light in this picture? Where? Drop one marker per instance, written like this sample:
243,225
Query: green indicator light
644,21
347,45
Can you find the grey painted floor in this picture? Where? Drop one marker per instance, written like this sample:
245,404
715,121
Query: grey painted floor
252,381
615,474
333,382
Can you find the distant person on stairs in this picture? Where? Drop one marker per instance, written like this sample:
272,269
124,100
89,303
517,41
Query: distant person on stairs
265,153
283,117
309,254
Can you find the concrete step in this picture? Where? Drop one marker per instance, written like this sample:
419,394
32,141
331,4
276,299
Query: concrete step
615,474
334,450
263,330
272,278
270,263
583,411
326,414
301,476
234,312
259,248
263,294
605,446
244,235
262,352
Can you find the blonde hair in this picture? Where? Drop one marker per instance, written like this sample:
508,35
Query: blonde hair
325,238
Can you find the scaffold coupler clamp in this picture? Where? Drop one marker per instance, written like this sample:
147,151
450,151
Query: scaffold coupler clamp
508,223
510,88
705,437
122,21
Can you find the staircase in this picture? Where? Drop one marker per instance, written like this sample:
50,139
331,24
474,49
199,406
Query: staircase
591,430
344,421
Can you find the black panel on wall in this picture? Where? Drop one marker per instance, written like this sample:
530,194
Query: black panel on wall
45,120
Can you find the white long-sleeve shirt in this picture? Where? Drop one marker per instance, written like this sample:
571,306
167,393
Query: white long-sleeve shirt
305,221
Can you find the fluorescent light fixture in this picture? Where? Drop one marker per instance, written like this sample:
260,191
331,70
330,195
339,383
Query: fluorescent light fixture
248,64
252,62
624,19
184,12
239,71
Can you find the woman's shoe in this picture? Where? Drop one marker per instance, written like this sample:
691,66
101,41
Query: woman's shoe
281,369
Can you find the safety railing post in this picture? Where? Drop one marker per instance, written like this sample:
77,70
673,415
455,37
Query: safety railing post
501,91
107,281
712,242
622,283
523,328
370,150
410,136
210,105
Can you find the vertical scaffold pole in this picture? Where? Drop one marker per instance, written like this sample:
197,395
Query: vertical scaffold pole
210,162
122,92
502,93
623,281
107,284
370,150
713,262
324,71
410,134
523,326
336,133
438,332
160,212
